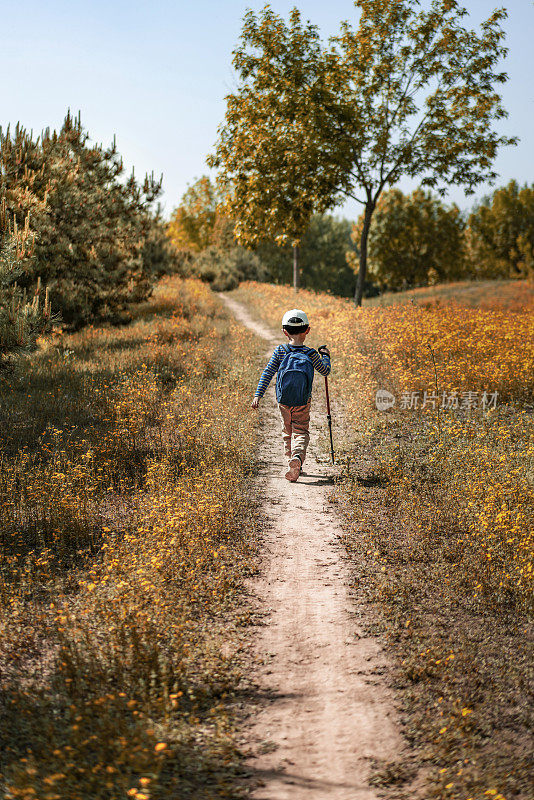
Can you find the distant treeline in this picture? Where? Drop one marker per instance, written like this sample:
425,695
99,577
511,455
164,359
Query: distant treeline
80,241
72,222
415,240
204,238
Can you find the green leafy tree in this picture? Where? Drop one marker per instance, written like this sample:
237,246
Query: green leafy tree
205,234
323,257
272,173
96,233
24,316
420,91
500,234
414,240
410,91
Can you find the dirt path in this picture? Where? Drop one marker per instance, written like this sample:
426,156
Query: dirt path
325,710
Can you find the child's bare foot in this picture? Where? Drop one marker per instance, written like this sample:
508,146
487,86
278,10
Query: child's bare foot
294,469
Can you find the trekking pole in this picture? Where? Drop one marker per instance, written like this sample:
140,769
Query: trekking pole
328,415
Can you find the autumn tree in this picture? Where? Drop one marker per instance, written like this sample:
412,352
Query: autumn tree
408,92
414,240
199,221
500,234
204,235
192,222
272,171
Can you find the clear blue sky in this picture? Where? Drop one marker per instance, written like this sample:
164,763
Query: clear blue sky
156,74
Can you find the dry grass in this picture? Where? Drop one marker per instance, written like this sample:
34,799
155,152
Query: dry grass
439,521
126,533
502,295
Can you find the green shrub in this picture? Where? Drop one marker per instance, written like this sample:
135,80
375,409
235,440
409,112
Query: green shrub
99,243
225,269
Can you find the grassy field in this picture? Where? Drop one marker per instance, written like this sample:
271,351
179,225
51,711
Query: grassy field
439,514
502,295
127,530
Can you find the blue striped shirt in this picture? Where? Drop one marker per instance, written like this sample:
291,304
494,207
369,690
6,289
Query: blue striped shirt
321,363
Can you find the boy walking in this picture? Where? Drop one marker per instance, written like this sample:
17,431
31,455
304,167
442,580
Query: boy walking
295,364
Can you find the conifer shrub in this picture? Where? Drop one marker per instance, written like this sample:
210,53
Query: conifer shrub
99,239
23,315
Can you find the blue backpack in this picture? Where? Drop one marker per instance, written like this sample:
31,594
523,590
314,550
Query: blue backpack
294,379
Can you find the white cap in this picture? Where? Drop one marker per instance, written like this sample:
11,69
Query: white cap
295,317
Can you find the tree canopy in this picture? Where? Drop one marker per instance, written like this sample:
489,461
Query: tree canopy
500,234
409,92
215,256
414,240
324,246
272,172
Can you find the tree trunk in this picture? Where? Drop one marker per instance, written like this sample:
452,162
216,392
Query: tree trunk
358,294
295,268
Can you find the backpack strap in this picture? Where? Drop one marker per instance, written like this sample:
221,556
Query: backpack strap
287,348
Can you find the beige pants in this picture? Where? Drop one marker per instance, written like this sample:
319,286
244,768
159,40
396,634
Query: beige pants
295,423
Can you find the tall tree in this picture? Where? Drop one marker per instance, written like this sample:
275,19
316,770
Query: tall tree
500,234
410,91
414,240
419,89
272,172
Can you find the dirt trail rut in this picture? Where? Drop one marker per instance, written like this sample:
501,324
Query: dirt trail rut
326,710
